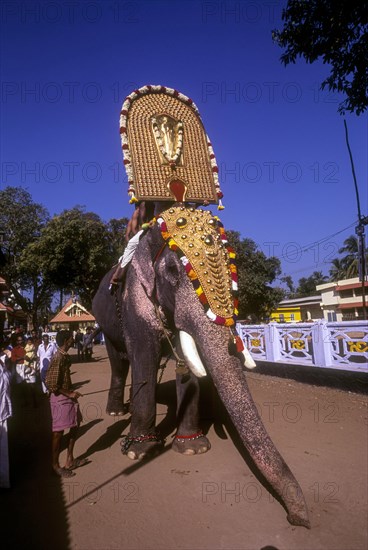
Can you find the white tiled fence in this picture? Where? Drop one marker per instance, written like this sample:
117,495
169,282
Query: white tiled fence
320,344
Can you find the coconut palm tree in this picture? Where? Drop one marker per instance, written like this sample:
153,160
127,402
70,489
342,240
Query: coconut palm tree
350,246
307,285
351,258
338,270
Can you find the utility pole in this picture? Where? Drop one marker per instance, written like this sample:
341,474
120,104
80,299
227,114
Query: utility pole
359,229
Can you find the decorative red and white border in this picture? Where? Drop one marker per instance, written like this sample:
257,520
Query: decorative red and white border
149,89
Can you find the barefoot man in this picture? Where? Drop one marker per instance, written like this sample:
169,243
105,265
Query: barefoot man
65,411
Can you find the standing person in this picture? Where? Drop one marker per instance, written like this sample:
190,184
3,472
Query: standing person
65,411
79,343
88,344
30,357
30,363
45,352
5,413
35,335
17,357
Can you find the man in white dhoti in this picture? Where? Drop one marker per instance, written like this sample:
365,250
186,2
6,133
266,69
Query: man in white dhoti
45,352
136,226
5,413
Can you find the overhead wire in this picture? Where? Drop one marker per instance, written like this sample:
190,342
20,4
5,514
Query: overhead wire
307,247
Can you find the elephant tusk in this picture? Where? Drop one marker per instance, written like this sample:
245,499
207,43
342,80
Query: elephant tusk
248,359
191,356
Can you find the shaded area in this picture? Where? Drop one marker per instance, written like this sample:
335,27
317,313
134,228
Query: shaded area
33,511
109,438
331,378
78,385
83,428
166,395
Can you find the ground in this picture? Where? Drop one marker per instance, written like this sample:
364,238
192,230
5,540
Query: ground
212,501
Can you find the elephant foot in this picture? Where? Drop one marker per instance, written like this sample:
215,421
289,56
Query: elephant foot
193,444
141,446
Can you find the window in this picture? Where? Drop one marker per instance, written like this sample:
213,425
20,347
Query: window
346,293
282,318
292,317
359,291
348,315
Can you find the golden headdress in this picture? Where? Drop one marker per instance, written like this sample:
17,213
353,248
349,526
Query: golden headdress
167,153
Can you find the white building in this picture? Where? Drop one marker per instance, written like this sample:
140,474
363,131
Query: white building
342,300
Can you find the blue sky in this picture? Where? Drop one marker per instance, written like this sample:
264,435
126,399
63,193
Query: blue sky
279,141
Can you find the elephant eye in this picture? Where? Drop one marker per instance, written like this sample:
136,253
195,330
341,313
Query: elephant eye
171,271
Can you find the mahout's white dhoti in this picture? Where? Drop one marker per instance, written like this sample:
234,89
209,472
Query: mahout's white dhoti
4,455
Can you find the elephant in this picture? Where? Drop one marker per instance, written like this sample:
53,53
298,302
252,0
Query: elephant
156,281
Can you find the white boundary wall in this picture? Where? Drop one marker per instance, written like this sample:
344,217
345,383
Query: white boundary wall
320,344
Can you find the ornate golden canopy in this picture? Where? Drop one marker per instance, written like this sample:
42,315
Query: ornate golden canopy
167,153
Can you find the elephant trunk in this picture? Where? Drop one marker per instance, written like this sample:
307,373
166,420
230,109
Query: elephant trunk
233,390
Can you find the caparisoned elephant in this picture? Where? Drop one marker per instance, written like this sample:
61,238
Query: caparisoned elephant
157,275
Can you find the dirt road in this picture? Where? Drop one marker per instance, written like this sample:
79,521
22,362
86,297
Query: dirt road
214,501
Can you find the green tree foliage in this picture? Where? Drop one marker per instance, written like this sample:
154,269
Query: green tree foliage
307,285
116,231
347,266
335,31
75,249
22,221
337,270
256,272
350,249
288,281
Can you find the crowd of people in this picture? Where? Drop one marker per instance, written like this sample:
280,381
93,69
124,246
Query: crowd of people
33,365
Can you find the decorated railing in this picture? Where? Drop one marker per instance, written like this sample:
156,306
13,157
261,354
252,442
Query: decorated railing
320,344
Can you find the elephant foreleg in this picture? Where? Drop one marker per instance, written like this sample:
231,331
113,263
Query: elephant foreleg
189,439
144,359
119,371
